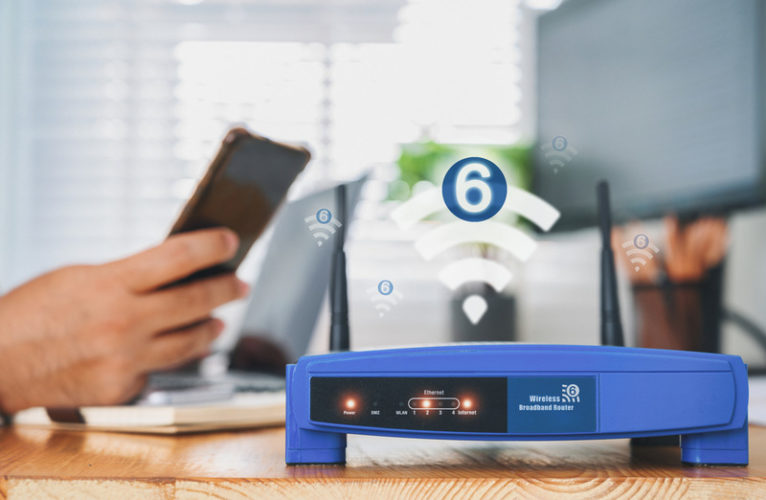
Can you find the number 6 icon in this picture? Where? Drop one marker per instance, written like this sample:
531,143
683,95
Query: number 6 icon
474,189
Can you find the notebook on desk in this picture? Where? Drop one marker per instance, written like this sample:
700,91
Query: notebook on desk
284,311
240,412
177,404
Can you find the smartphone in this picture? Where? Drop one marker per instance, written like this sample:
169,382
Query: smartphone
241,190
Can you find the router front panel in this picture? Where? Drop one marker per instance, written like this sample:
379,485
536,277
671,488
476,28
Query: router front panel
518,392
462,404
465,404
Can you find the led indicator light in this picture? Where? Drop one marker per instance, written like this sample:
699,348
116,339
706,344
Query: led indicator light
434,403
350,404
467,404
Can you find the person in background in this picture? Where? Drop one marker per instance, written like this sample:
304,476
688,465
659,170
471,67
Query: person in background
89,335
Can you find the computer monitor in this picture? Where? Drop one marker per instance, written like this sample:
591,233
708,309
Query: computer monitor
665,100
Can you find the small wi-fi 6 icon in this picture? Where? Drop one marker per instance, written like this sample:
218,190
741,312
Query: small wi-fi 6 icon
559,152
474,189
322,225
570,393
384,297
640,250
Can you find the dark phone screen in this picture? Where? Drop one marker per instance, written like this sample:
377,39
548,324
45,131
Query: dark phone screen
244,194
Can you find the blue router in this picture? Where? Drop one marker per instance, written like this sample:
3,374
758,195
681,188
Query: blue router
518,392
506,392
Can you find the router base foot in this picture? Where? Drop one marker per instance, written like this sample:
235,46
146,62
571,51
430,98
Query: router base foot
316,456
315,447
716,448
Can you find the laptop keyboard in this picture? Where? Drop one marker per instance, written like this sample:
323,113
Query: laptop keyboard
238,381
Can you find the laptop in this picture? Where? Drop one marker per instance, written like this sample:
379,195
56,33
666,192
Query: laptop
283,306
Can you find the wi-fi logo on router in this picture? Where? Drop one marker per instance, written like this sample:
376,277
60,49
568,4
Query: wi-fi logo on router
570,393
384,297
636,250
474,189
559,152
322,225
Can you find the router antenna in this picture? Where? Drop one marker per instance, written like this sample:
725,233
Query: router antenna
339,330
611,324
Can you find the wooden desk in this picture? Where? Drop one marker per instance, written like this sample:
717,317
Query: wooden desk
37,463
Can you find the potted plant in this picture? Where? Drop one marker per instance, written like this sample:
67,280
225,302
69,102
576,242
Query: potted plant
424,164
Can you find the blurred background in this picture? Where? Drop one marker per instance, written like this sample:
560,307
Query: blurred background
110,112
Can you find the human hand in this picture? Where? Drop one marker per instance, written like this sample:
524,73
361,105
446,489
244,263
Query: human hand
690,250
88,335
694,248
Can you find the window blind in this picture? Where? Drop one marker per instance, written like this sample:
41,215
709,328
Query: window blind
121,104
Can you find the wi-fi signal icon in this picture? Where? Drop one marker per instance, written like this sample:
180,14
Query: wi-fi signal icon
570,393
559,152
640,250
473,229
384,297
322,225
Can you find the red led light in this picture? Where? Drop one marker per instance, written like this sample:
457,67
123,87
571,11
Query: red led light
426,403
350,403
467,404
